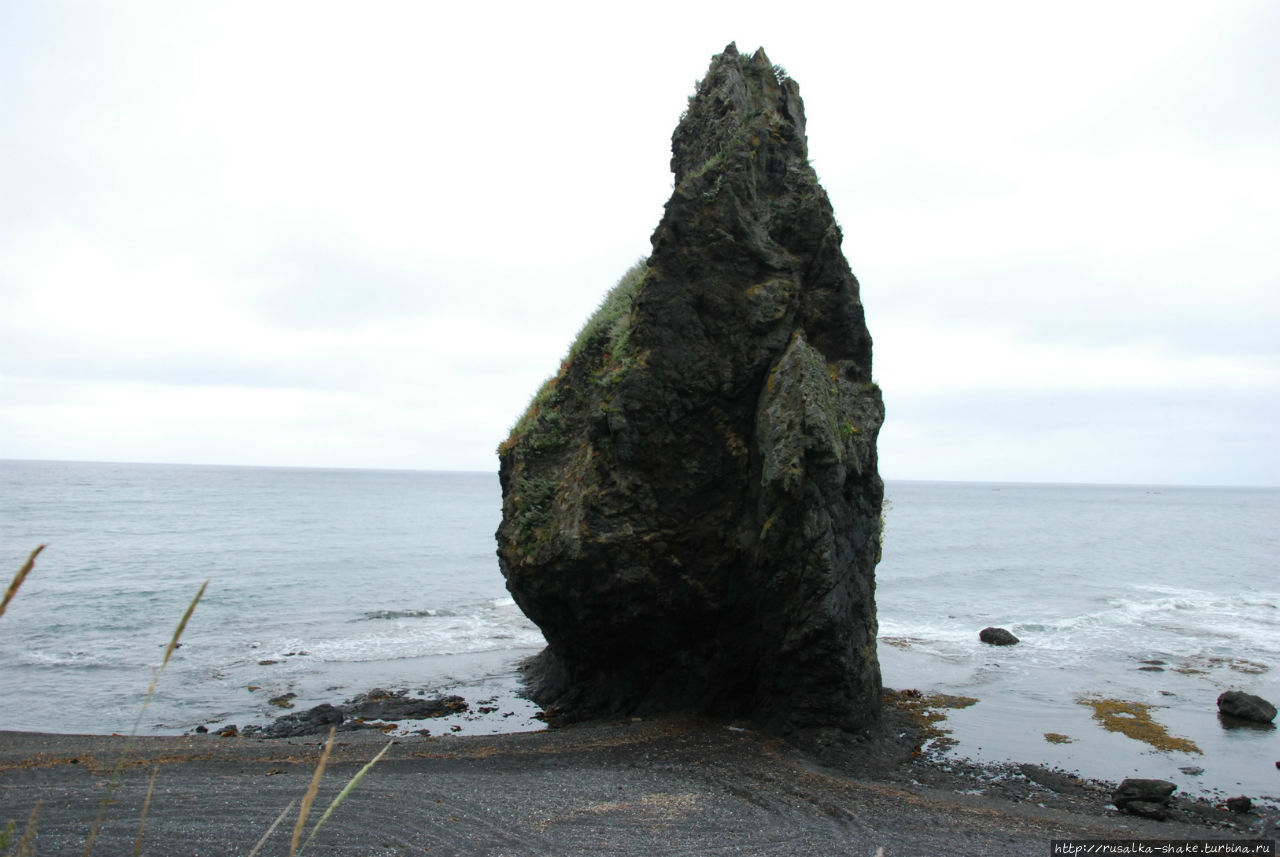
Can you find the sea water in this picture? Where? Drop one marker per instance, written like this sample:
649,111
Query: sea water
327,583
1160,596
322,583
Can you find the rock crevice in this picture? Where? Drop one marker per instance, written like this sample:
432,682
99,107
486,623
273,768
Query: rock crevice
691,506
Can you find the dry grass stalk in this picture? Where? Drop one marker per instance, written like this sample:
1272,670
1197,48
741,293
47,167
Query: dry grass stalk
27,845
310,796
19,578
271,829
146,805
128,748
346,790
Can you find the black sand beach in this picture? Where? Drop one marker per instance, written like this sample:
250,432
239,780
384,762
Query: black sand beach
662,786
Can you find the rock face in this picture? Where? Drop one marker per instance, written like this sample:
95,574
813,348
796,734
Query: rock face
691,507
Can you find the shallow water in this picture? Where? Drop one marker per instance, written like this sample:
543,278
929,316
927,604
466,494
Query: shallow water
1162,596
325,583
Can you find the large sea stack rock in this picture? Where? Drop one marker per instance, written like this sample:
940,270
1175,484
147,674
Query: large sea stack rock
691,508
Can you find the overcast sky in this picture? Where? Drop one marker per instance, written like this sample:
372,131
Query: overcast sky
361,235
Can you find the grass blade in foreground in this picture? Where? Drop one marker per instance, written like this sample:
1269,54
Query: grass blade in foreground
271,829
27,845
124,755
146,805
19,577
310,796
345,791
168,652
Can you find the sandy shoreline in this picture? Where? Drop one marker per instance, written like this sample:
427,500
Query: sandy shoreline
661,786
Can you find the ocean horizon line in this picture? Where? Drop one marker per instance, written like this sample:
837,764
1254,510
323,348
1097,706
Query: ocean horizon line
494,472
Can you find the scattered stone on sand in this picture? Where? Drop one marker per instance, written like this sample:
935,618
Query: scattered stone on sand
1246,706
1240,804
1147,798
824,792
997,637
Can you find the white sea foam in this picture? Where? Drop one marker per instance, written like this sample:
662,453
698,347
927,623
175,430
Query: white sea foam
482,629
78,659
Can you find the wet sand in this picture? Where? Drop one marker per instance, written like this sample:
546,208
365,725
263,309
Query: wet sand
661,786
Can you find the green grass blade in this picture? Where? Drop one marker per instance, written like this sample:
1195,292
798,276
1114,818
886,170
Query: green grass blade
343,794
19,578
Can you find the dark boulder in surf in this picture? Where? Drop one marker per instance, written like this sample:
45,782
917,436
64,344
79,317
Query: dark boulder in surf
997,637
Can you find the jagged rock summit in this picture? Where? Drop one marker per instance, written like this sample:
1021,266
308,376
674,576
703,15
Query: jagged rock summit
691,507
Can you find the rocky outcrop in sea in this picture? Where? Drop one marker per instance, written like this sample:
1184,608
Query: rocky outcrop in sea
1246,706
691,506
997,637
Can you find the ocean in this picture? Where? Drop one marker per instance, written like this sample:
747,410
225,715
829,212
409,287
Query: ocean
1145,602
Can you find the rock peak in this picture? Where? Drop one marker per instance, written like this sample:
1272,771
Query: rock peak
738,95
691,505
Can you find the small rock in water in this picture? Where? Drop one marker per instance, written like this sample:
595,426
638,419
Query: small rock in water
1246,706
997,637
1192,770
1147,798
379,704
1239,804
